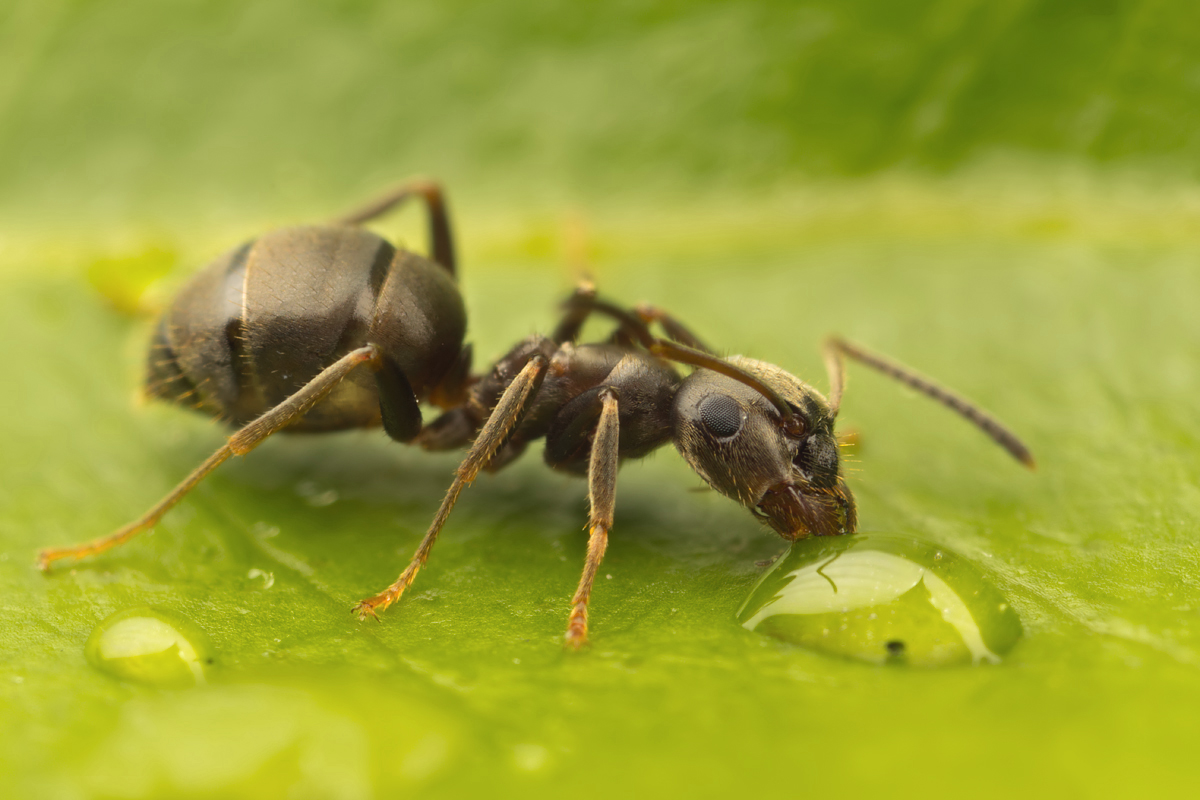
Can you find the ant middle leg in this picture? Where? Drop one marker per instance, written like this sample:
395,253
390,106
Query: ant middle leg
441,242
458,425
507,414
602,496
240,443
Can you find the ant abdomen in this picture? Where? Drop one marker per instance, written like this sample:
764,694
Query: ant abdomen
262,321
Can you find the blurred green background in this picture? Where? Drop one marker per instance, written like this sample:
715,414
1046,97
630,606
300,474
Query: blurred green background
1002,194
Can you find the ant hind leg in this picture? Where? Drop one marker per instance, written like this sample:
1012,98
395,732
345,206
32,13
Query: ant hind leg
441,241
242,442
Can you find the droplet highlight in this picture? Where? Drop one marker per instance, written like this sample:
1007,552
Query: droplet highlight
314,496
885,600
150,646
267,578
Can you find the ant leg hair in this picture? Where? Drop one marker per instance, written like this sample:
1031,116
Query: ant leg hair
602,496
441,242
242,442
503,419
836,348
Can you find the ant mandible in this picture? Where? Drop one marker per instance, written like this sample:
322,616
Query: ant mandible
270,338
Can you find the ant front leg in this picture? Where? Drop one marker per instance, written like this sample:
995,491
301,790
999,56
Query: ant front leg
633,324
676,331
602,498
513,404
578,308
441,242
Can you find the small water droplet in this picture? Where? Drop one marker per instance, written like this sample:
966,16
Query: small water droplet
325,498
883,599
263,530
314,496
151,646
267,577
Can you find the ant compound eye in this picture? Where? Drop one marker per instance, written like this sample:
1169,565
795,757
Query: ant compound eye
721,415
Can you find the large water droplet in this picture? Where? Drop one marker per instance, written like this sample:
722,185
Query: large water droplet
151,646
882,599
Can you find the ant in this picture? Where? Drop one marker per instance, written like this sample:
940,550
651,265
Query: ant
271,337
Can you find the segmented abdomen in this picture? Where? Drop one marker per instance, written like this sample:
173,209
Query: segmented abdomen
263,320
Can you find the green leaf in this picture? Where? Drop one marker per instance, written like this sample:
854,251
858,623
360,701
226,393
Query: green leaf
997,194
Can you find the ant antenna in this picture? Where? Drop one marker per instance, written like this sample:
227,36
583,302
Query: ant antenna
696,358
835,348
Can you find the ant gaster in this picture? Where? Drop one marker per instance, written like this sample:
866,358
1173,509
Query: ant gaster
271,336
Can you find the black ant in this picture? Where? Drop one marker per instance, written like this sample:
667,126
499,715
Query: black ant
270,336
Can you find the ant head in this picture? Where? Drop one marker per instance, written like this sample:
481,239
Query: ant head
783,466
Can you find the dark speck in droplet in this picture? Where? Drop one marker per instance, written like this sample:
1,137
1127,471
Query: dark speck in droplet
895,647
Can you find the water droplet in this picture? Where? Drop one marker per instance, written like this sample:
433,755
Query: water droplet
264,531
325,498
314,496
151,646
883,599
268,578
